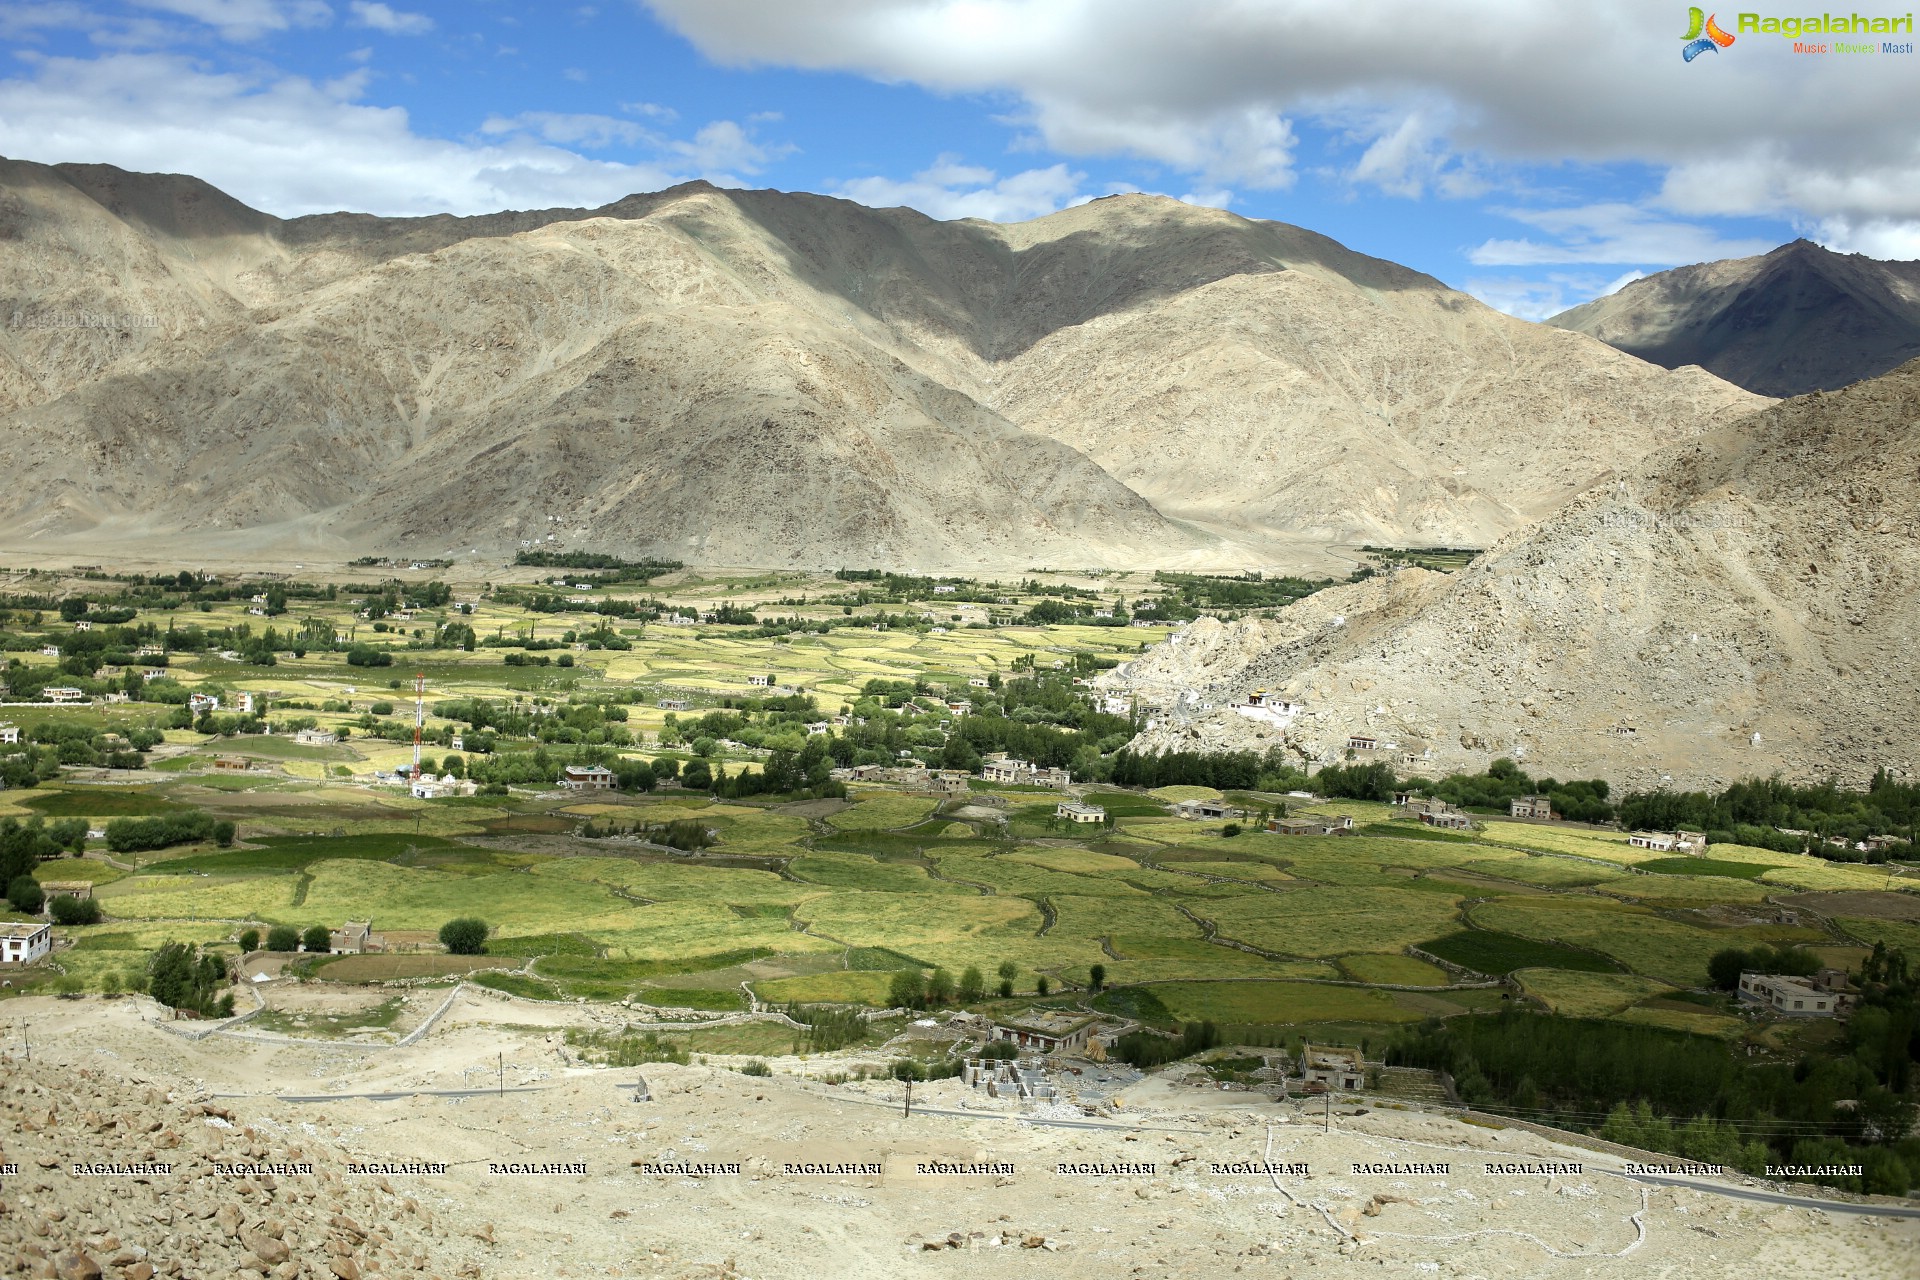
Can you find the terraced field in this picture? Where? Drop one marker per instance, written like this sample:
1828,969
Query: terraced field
829,903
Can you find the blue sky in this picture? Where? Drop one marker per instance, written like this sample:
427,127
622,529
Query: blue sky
1533,154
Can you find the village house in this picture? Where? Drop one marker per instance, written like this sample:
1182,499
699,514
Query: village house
1046,1031
49,650
201,703
587,777
154,673
960,706
244,703
355,937
1795,997
1655,841
977,682
1536,808
950,783
316,737
63,693
1324,1068
67,888
759,682
24,941
1074,811
1311,825
9,733
1445,817
674,704
1207,810
1362,742
239,764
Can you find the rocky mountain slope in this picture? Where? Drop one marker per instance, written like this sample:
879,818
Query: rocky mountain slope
1751,605
765,378
1796,320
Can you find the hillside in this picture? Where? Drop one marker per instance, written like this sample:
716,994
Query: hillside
1748,607
752,377
1799,319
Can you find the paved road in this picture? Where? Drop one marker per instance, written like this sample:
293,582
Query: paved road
1777,1197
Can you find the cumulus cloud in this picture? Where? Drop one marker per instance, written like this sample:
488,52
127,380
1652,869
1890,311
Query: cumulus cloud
386,18
1609,233
290,145
1542,298
949,188
1441,88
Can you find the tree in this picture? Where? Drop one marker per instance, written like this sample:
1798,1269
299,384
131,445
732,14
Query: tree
26,895
180,976
1009,971
1041,986
317,939
465,936
940,988
282,937
223,833
1099,976
908,990
111,983
69,910
972,985
249,940
1006,988
1725,966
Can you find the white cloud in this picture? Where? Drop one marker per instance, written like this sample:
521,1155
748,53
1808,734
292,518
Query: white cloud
290,146
1539,299
248,19
1610,233
1434,94
570,130
386,18
951,189
1897,241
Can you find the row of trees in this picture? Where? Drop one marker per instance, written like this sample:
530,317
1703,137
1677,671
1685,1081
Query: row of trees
131,835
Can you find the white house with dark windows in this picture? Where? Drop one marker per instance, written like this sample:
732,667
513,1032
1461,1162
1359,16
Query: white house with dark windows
24,941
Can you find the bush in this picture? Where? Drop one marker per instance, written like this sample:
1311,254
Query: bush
364,655
26,895
283,937
249,940
69,910
465,936
223,833
756,1068
317,938
180,976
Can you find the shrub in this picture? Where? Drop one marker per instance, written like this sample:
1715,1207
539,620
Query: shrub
1042,986
317,938
180,976
756,1068
249,940
465,936
283,937
69,910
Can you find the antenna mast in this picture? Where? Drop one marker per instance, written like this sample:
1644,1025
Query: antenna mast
419,716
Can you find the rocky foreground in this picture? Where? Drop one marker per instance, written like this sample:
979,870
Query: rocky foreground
287,1161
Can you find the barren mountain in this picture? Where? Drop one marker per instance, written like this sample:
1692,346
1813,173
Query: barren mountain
1753,604
1796,320
765,378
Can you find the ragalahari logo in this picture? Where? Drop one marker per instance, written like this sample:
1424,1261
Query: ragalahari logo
1703,35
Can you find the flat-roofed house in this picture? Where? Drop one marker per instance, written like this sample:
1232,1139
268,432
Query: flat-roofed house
587,777
1073,811
24,941
1537,808
1793,997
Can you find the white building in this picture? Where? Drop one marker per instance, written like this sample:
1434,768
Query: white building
24,941
1073,811
1793,997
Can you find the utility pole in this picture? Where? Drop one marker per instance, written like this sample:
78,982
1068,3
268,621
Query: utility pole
503,1074
908,1109
24,1041
1328,1127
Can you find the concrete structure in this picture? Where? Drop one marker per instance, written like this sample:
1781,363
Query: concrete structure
1073,811
1020,773
355,937
587,777
1207,810
1004,1078
236,763
316,737
1657,841
760,682
674,704
1537,808
1311,825
201,703
1362,742
951,784
1046,1030
1326,1068
63,693
1795,997
70,888
9,733
24,941
1438,813
244,703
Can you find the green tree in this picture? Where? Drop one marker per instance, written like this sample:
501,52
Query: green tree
1006,988
940,988
110,983
1098,973
1041,986
972,985
249,940
282,937
317,938
223,831
26,895
69,910
465,936
908,990
1724,967
1008,971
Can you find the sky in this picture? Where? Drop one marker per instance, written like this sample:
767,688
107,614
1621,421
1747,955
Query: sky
1534,154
